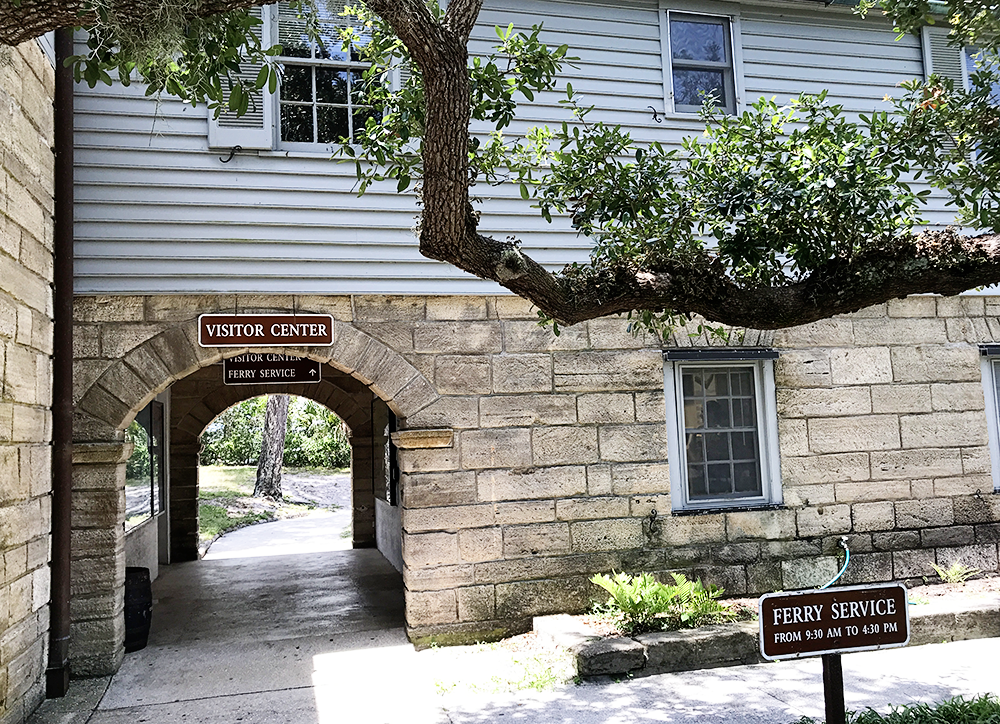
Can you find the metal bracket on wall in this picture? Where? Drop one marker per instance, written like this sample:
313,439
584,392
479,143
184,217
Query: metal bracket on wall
232,152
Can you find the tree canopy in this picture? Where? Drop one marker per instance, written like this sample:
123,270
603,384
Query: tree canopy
780,216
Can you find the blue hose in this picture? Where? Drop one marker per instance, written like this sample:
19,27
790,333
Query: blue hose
847,559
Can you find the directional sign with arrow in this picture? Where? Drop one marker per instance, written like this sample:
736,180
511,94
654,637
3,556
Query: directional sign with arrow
258,368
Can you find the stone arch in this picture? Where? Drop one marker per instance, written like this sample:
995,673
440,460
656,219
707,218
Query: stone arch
108,401
200,397
114,379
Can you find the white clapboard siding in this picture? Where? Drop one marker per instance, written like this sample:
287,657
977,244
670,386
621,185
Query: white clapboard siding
157,211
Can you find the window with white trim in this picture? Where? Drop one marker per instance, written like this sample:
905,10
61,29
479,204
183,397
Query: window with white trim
701,55
990,368
322,94
722,433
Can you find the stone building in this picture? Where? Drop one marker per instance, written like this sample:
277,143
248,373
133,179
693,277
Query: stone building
526,461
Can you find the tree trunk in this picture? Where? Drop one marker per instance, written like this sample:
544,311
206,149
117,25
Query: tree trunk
272,448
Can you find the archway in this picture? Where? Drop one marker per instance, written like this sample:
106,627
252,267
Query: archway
110,390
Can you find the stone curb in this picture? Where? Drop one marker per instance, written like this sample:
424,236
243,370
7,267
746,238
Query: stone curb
737,644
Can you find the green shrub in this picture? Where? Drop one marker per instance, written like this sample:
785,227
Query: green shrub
958,573
983,709
641,603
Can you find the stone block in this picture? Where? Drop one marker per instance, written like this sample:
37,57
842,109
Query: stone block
531,337
957,396
599,479
968,330
976,509
456,412
824,401
760,524
923,306
430,607
936,364
802,368
462,375
450,518
896,540
430,459
965,485
976,460
956,535
607,535
611,656
617,333
457,337
608,371
650,407
860,365
982,556
431,549
764,577
439,578
901,398
824,520
527,511
532,484
606,407
476,603
564,445
912,563
480,544
867,517
837,332
628,443
534,540
521,599
924,513
793,437
872,490
641,506
455,307
524,410
899,331
691,529
519,373
496,448
851,434
640,479
943,429
438,489
737,553
816,469
388,308
591,508
512,307
868,568
909,464
809,572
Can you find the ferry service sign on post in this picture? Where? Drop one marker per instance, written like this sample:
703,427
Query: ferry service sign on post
262,368
836,620
265,330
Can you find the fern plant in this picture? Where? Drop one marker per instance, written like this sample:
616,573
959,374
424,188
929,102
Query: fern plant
958,573
641,603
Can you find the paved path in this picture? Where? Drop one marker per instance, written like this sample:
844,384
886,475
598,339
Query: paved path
316,637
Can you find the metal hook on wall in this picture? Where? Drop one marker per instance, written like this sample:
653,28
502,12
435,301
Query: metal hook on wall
656,114
232,152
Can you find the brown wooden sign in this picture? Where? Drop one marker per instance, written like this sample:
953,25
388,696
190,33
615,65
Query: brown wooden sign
265,330
261,368
837,620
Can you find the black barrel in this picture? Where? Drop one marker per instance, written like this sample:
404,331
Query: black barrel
138,607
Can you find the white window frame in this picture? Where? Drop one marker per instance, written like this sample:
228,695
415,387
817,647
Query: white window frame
709,9
988,361
762,363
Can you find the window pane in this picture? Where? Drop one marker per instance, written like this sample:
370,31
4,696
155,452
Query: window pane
694,413
744,445
292,34
705,40
695,448
718,413
138,477
297,123
696,481
717,384
296,83
361,118
332,123
746,478
719,479
331,86
689,85
717,446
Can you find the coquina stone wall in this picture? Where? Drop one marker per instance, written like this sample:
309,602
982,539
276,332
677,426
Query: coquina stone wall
532,461
26,87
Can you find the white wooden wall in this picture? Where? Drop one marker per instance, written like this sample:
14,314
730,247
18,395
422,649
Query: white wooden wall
158,212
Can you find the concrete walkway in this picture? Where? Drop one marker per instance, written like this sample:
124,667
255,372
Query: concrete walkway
317,638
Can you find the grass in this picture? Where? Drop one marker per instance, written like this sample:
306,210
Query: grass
983,709
214,520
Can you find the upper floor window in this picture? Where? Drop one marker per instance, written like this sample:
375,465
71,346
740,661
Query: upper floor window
701,61
721,428
322,92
